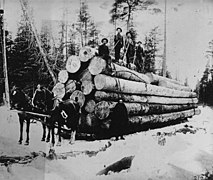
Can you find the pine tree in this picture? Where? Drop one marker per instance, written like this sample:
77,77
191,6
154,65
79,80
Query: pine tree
125,9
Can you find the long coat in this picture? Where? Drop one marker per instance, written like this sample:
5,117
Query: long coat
119,118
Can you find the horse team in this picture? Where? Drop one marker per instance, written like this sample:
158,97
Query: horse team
51,112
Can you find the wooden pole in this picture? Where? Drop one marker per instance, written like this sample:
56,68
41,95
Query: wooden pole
39,43
164,58
7,91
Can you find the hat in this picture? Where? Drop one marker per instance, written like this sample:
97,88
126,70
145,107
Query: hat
119,28
104,39
128,33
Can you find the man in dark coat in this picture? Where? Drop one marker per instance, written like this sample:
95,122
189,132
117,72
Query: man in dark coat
129,49
118,41
119,118
139,57
39,97
103,51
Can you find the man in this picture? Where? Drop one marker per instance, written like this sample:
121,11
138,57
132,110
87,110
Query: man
129,49
103,52
119,118
139,57
38,100
118,41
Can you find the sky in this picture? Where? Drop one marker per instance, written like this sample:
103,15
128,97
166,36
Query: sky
189,27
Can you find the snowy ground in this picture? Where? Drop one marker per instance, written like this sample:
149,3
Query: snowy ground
170,156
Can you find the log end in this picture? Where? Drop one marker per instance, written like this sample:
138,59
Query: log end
102,110
86,87
86,53
73,64
63,76
99,81
97,65
59,90
80,95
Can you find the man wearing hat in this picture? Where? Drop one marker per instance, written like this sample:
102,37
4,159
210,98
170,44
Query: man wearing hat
103,51
118,43
129,49
139,56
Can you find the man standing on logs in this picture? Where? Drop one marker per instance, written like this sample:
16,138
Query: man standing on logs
118,41
119,118
139,57
103,52
129,49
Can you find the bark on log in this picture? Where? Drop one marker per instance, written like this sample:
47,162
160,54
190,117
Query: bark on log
102,110
139,108
124,163
73,64
103,82
59,90
90,106
153,78
126,73
112,96
97,65
70,86
86,53
167,84
85,75
80,95
63,76
140,120
86,87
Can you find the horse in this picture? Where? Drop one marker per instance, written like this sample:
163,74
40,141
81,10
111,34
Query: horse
22,102
62,113
65,113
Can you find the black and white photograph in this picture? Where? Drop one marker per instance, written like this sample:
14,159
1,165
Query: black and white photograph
106,89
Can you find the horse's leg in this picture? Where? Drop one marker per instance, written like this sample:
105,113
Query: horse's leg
27,130
44,129
72,137
59,133
21,123
48,135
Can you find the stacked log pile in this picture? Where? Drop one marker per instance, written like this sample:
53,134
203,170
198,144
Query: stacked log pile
149,98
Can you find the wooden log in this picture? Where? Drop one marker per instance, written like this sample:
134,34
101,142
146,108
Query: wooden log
97,65
140,120
154,78
124,163
86,53
80,95
85,76
167,84
126,73
112,96
103,82
139,108
70,86
59,90
86,87
102,110
63,76
90,106
73,64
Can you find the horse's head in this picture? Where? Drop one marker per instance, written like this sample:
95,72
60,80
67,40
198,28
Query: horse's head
19,99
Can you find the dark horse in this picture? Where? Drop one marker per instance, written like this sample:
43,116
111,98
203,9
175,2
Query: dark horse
21,102
64,113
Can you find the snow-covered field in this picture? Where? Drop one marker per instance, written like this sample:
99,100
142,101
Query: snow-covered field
171,155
